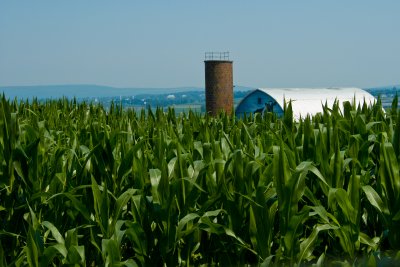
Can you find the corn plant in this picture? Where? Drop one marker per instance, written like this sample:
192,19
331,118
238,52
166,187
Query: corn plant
87,185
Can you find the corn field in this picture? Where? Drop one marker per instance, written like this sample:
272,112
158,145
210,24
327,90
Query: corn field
85,185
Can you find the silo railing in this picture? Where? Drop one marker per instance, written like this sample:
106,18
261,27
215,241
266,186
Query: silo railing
216,56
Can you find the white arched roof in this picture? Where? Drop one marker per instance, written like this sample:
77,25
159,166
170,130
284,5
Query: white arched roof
310,100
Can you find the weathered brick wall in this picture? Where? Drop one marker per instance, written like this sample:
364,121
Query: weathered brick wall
219,86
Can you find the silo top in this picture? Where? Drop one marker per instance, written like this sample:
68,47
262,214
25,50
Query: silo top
218,61
217,57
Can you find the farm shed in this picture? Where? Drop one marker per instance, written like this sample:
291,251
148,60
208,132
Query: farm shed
304,100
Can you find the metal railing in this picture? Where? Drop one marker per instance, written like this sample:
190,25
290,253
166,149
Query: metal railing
216,56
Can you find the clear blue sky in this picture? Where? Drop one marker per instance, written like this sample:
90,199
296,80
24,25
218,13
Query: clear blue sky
128,43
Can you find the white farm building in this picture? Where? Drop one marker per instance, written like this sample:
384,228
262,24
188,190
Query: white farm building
304,100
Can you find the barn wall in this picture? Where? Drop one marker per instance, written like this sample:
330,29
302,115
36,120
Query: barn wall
256,100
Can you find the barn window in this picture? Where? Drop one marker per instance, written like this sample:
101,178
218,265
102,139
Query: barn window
259,101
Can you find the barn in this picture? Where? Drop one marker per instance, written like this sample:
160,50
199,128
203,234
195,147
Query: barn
304,100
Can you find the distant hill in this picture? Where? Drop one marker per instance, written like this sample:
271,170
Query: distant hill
388,87
91,91
83,91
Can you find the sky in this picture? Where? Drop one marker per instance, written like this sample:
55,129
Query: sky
129,43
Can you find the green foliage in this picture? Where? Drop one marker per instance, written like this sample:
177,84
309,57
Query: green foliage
84,185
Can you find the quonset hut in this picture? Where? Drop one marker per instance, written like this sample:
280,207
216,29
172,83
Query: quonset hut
304,100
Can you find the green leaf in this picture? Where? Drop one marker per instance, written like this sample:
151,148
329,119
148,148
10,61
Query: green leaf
307,245
290,239
76,255
341,198
3,262
51,252
155,177
78,205
129,263
184,221
31,249
396,217
54,231
390,175
365,239
213,213
324,215
101,207
138,237
121,203
375,200
111,252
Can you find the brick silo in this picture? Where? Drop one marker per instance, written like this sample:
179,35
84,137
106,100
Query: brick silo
219,83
